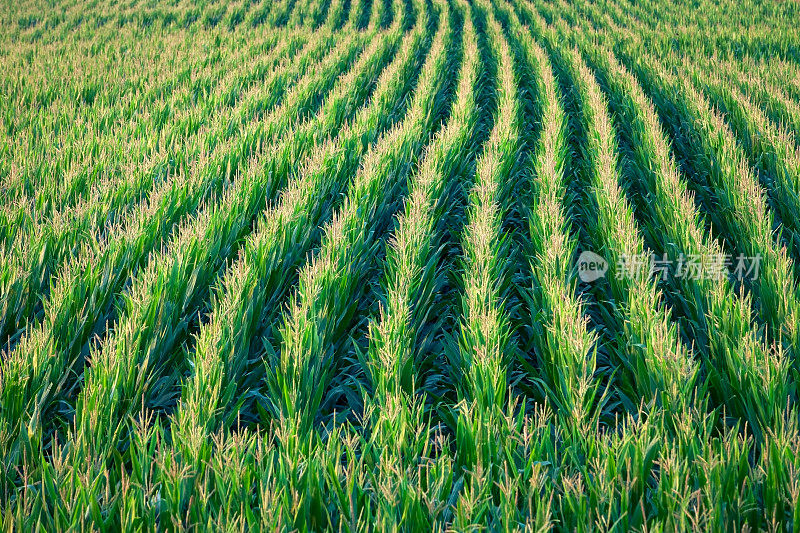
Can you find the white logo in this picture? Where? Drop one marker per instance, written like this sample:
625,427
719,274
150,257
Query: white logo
591,267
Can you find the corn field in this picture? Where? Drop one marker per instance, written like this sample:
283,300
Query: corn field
399,265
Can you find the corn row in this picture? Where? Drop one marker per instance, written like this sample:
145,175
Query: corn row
37,190
152,323
647,344
44,249
771,150
304,355
258,282
397,438
308,339
485,346
563,346
746,373
48,354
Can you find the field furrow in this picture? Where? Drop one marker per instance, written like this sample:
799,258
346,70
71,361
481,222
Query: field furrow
401,336
744,371
485,346
771,150
45,248
312,347
255,286
52,355
730,191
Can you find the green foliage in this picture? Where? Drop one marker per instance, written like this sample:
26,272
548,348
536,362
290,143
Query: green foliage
312,264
